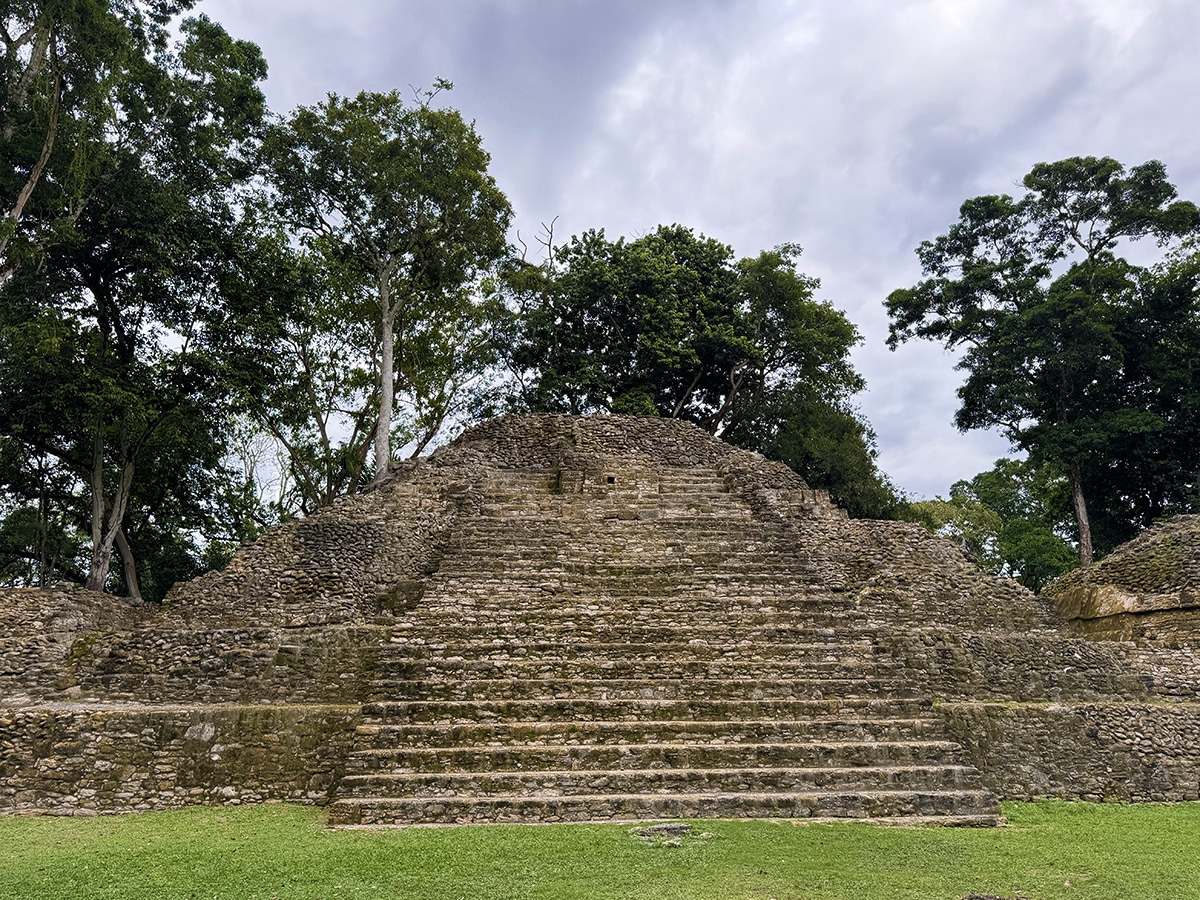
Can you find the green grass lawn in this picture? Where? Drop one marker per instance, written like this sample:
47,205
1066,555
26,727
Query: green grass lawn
1047,851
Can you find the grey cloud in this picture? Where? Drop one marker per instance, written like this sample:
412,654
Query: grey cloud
856,128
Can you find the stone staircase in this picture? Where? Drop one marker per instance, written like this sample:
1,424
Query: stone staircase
641,644
598,618
563,618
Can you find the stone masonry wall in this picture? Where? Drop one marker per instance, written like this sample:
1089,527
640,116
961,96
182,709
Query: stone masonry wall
247,685
367,555
339,566
71,759
955,666
1130,752
332,664
1164,559
1145,590
44,631
589,446
900,574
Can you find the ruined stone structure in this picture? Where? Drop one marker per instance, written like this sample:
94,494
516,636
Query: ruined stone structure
1146,590
561,618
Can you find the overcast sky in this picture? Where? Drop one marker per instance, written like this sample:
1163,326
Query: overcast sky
855,128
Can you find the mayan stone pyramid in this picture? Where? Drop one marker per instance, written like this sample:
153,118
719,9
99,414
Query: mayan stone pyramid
578,618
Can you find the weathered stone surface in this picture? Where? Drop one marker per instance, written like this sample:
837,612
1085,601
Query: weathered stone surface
1138,752
559,619
64,758
1148,588
43,632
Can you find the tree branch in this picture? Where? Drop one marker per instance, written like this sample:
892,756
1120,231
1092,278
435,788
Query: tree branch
35,174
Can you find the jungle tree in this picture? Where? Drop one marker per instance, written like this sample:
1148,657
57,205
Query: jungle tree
671,324
397,203
110,381
1036,292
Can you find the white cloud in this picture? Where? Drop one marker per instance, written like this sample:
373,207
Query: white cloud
856,128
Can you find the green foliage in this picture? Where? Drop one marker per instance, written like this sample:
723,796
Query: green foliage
112,389
396,204
1153,460
168,307
964,520
645,327
1049,850
1011,520
302,378
39,543
671,325
67,69
830,446
1046,311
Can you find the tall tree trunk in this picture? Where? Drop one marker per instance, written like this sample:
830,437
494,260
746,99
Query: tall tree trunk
130,566
17,100
387,386
1075,479
737,377
98,568
105,529
687,394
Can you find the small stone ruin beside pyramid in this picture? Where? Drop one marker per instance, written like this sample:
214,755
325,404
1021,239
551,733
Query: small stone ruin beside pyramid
564,618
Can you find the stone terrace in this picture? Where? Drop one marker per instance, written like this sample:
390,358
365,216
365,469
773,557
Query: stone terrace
562,618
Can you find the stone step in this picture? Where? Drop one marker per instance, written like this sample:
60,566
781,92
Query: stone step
631,611
533,582
608,542
698,501
574,537
545,490
960,806
573,627
418,631
620,651
381,734
695,565
610,552
699,505
556,522
636,689
528,759
691,709
627,514
618,616
504,591
744,672
546,487
530,580
573,531
609,558
418,785
673,494
833,620
531,481
573,511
